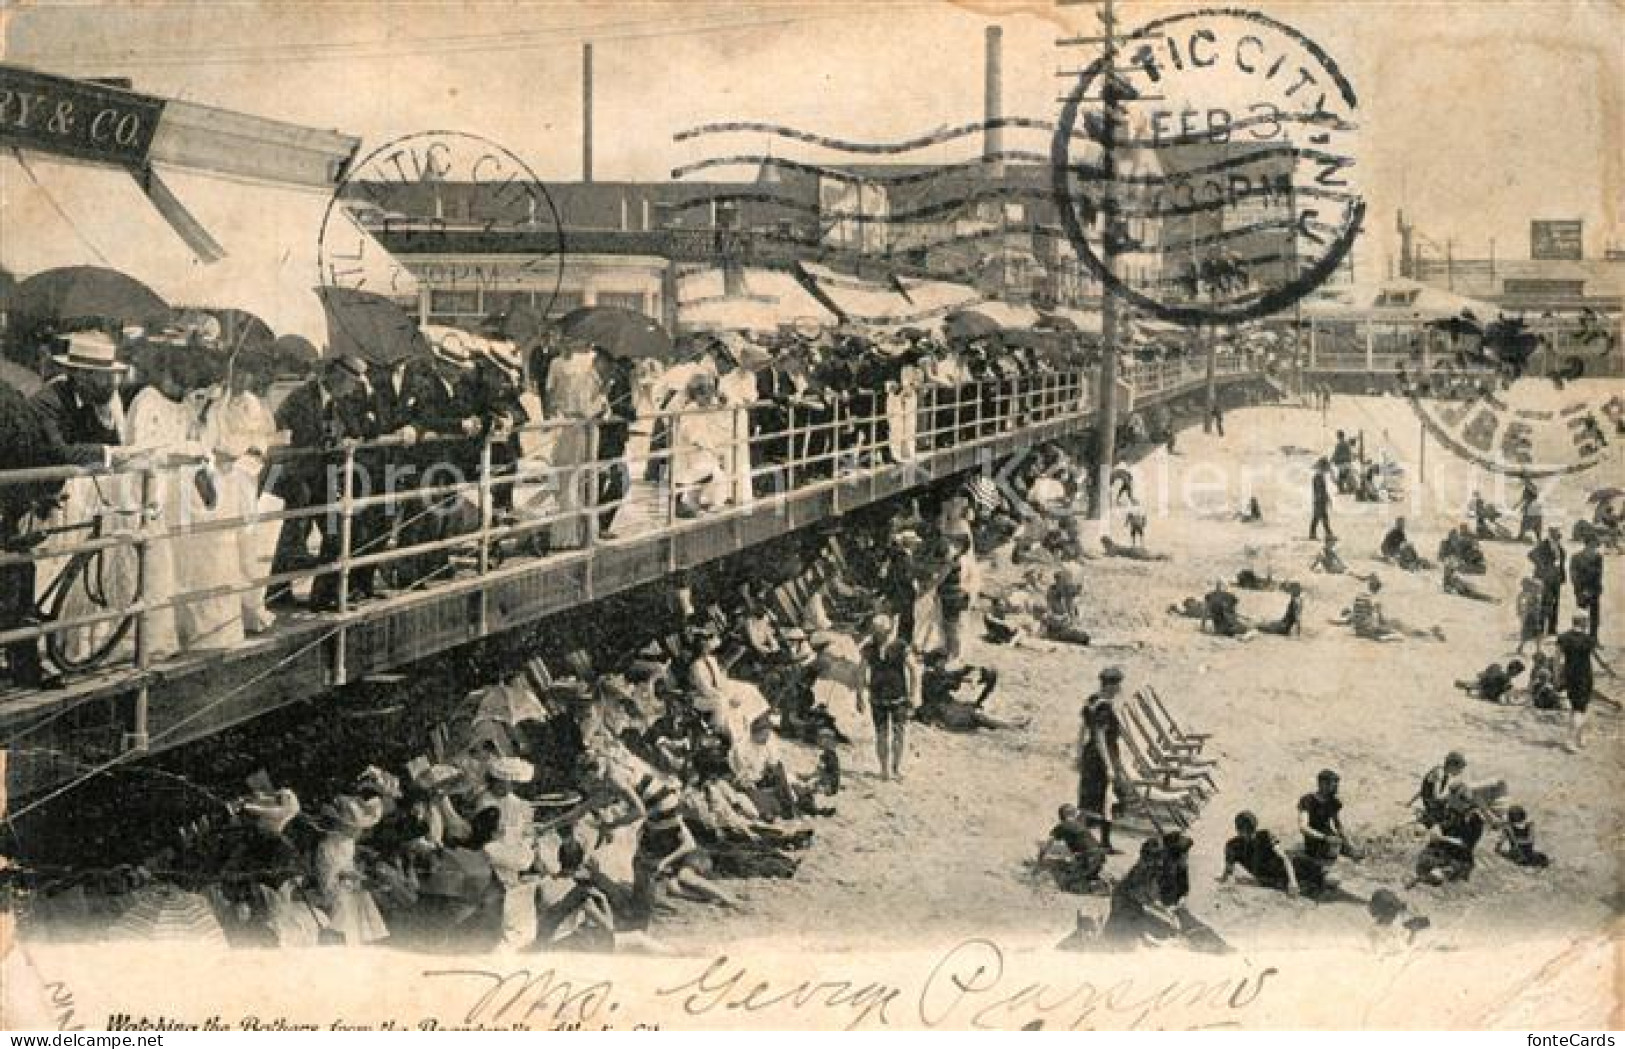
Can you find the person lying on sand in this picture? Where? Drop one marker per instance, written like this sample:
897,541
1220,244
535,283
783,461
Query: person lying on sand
1331,562
1260,853
1455,583
940,703
1133,553
1369,622
1291,621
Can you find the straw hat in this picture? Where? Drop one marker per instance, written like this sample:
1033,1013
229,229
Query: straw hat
511,770
272,812
91,351
438,777
348,813
454,347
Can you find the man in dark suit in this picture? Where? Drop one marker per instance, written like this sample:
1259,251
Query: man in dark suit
442,403
70,421
319,417
25,443
613,429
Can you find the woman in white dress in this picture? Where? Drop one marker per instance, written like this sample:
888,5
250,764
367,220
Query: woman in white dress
737,391
197,554
573,394
351,910
903,412
241,430
702,441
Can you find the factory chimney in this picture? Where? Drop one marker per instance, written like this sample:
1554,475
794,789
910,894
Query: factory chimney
586,112
993,102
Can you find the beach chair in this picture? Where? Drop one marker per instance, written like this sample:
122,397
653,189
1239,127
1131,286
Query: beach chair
1154,811
1196,787
1166,723
1158,747
1145,752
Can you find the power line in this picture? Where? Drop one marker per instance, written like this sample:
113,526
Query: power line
421,47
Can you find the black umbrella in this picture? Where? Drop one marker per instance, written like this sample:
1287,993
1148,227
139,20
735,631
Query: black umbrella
75,294
293,354
369,326
618,332
965,325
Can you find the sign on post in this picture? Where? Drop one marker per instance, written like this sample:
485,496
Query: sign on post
1557,239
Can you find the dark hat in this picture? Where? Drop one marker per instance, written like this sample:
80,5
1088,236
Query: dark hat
1111,675
1328,776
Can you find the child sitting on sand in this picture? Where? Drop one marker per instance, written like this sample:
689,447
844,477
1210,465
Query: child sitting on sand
1518,840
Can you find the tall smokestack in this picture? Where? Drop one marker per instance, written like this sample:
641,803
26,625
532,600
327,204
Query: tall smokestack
993,102
586,112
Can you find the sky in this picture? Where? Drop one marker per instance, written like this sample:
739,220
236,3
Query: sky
1475,117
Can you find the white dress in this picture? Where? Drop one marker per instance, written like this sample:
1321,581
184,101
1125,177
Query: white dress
840,676
573,392
738,392
351,911
241,430
197,555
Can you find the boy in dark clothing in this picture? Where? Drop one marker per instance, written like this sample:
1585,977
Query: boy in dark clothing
1259,853
1073,853
1518,840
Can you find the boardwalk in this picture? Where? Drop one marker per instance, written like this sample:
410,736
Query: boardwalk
122,712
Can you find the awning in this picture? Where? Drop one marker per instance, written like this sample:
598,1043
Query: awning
771,298
61,212
1400,300
885,304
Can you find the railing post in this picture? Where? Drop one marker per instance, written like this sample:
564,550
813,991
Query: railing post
486,506
590,496
793,444
673,435
346,526
143,622
739,440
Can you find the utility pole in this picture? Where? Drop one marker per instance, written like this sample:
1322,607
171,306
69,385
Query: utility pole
1106,424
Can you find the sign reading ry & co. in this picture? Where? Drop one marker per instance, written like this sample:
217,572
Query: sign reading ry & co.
76,118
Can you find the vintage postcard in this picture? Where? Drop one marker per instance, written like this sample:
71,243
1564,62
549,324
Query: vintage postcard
814,514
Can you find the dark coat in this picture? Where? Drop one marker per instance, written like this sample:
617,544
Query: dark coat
71,424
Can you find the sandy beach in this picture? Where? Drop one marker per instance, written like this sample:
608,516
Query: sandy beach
946,852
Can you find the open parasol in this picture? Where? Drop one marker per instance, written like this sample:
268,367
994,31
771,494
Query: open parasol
370,326
76,294
618,332
508,703
167,913
965,325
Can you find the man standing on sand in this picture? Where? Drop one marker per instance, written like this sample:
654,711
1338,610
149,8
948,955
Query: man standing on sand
1585,573
1579,650
1322,494
1100,766
1551,564
888,674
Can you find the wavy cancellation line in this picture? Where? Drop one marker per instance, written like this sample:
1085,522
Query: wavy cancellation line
1324,121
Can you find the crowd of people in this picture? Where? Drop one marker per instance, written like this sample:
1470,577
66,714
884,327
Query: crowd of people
252,463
